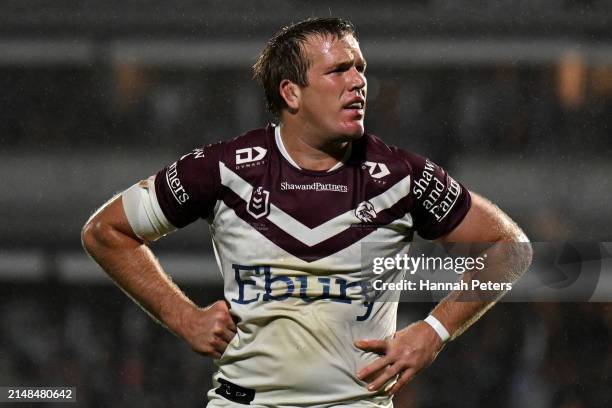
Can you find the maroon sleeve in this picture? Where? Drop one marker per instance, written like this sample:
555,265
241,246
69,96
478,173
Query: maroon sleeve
188,188
439,202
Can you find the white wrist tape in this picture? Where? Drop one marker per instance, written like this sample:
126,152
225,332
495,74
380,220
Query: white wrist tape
143,211
438,327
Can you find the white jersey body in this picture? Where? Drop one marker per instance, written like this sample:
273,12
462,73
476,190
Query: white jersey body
289,246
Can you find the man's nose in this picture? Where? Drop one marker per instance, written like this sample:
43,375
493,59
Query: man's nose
358,80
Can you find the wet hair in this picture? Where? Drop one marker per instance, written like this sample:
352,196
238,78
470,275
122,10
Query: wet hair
284,56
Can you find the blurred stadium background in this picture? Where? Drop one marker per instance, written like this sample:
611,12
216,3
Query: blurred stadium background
514,97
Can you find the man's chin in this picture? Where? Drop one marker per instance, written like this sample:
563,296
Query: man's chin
353,130
347,132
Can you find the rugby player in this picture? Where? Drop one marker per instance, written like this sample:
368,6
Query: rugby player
289,206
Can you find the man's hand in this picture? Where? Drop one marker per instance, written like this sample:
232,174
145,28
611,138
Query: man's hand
208,330
408,352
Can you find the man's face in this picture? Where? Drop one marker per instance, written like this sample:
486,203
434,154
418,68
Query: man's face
334,101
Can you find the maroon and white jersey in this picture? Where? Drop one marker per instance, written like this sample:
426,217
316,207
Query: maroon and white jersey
288,243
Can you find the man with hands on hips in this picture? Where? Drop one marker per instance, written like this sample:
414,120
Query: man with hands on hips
290,266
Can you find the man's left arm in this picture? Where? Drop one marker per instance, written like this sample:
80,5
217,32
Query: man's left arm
416,346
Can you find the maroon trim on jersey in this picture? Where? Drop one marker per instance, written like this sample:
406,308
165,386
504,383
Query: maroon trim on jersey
190,187
359,184
297,248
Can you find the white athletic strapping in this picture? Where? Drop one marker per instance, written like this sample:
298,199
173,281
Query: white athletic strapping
143,211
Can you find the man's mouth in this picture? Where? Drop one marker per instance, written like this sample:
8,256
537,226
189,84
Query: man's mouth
357,103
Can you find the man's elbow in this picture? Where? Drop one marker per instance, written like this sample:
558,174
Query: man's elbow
108,229
520,247
92,234
526,254
97,235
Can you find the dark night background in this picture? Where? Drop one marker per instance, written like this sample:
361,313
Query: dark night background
514,98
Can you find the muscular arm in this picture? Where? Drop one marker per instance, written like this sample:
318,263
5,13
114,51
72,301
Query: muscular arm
416,346
508,257
108,238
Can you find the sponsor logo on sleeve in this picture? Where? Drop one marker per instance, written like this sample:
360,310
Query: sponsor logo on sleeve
441,197
250,156
178,191
197,153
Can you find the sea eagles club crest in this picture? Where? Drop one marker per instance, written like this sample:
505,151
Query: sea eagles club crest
365,212
259,204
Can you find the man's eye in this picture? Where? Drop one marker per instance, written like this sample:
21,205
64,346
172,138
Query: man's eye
340,69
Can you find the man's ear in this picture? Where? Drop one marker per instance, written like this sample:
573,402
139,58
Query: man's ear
291,93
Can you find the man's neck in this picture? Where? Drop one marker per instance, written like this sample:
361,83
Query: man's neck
309,152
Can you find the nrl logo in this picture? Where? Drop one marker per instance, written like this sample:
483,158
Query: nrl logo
365,212
259,204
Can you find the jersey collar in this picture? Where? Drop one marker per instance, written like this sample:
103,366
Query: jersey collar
283,150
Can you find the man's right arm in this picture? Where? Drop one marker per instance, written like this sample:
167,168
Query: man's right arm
109,239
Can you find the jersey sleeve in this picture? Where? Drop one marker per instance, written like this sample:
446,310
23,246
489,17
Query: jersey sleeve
188,188
440,202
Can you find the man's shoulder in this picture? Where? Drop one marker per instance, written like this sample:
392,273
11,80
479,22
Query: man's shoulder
248,149
251,137
373,149
250,146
